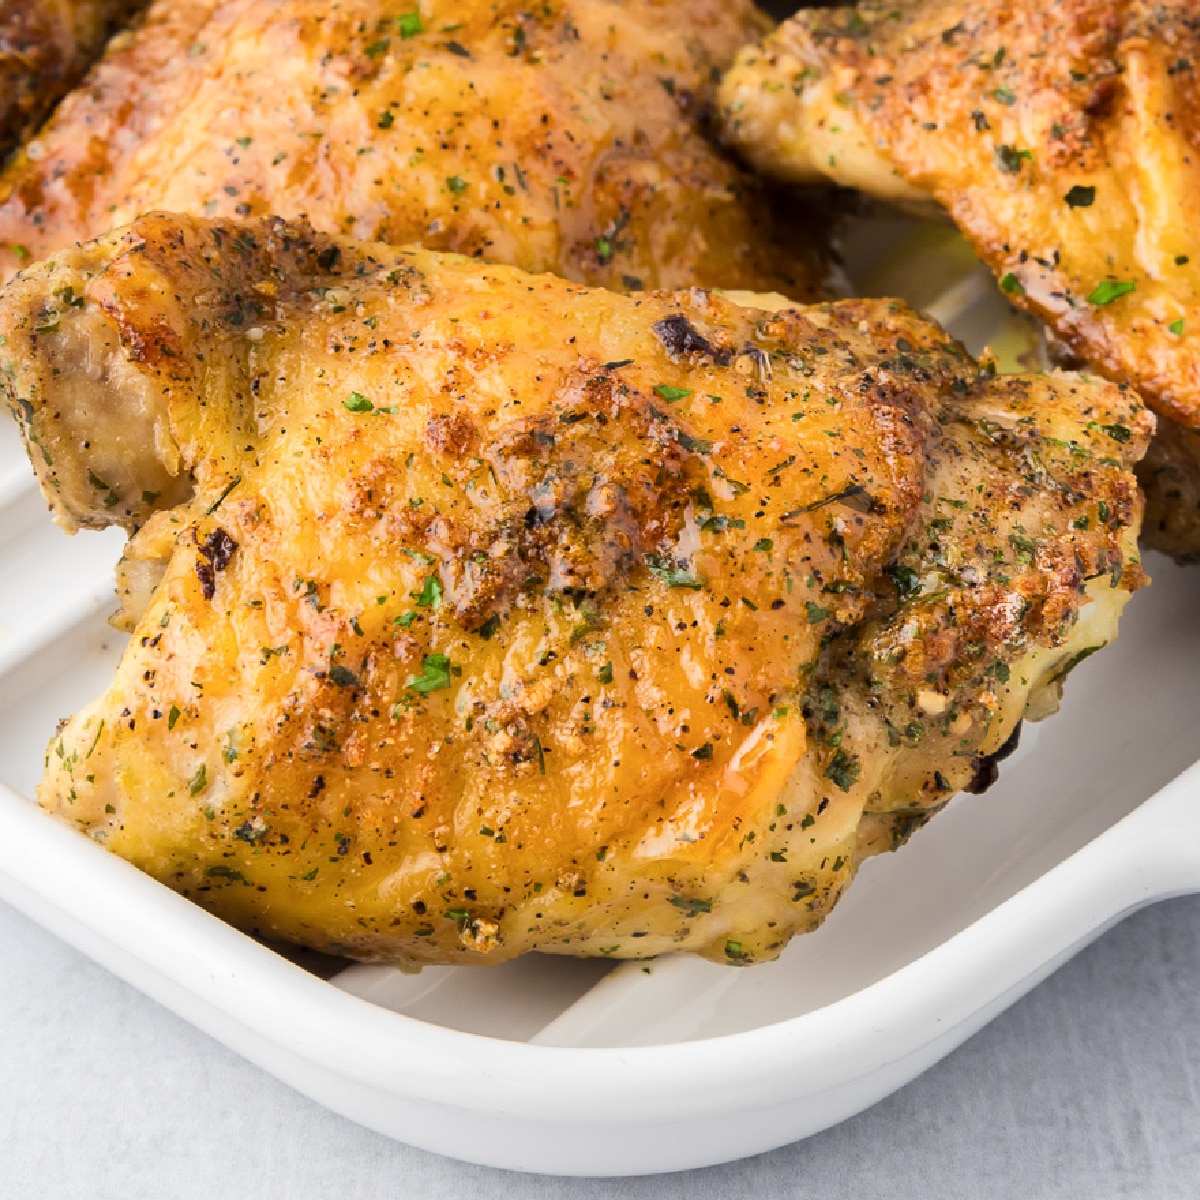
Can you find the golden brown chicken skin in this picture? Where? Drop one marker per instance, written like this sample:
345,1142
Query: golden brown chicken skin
1062,138
563,136
477,612
45,48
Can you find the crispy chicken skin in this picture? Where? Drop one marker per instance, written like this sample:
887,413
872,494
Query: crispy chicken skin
563,136
1062,138
45,48
504,614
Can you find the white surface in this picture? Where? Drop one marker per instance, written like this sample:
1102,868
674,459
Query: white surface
1085,1090
687,1063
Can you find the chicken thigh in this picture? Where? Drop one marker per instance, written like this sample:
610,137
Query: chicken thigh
477,612
45,48
564,136
1062,138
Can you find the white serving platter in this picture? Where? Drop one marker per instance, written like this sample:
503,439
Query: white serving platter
592,1069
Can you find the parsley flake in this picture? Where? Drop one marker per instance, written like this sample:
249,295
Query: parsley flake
1009,158
435,675
409,23
671,575
844,769
342,676
1108,290
430,595
671,394
694,444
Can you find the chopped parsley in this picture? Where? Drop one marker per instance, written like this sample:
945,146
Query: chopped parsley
1009,158
671,394
212,508
409,23
430,595
671,575
1176,327
1012,285
844,769
738,487
358,403
1074,661
720,523
221,871
342,676
435,675
907,581
694,444
1108,290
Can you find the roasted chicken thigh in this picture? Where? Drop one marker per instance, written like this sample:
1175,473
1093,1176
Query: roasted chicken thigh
561,136
477,612
45,48
1064,139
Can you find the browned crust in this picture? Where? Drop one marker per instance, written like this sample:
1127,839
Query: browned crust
44,50
564,137
999,109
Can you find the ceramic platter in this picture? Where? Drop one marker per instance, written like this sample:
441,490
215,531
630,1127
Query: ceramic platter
593,1068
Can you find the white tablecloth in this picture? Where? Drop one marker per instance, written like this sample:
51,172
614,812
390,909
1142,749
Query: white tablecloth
1086,1089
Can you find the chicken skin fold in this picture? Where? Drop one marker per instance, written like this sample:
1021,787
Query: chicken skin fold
477,612
564,136
1063,139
